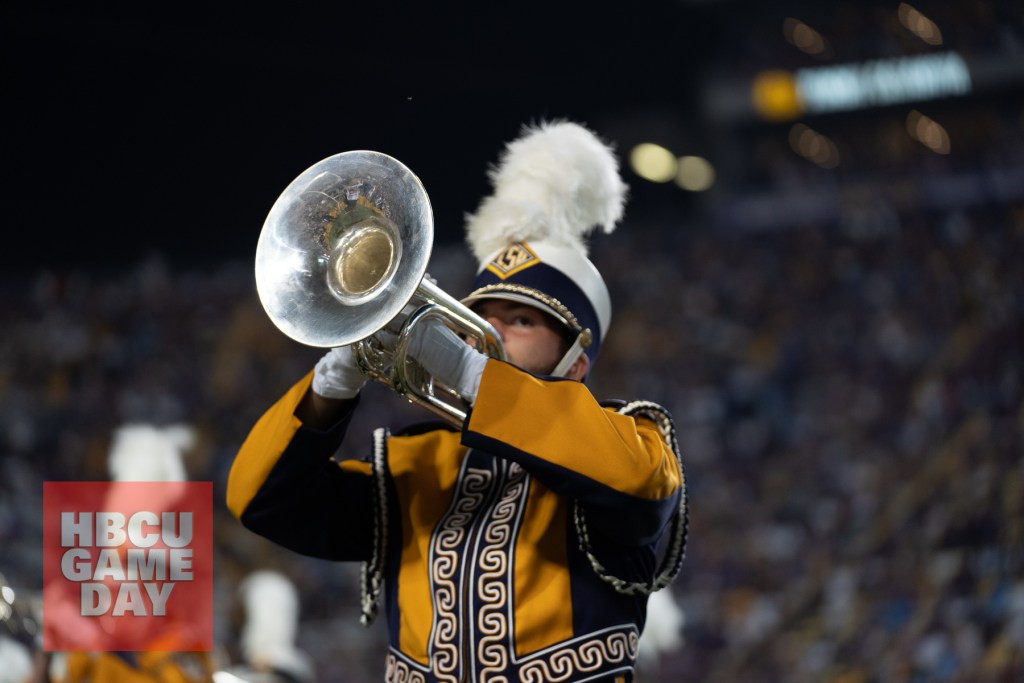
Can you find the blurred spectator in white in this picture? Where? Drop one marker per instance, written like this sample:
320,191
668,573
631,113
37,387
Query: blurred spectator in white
268,647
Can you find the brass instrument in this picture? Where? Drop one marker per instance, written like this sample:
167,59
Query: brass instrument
342,259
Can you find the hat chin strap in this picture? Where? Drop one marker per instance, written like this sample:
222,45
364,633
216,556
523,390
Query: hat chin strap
574,352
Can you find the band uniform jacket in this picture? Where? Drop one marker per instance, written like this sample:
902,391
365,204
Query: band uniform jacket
519,549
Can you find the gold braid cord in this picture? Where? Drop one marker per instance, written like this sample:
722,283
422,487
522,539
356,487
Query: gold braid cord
673,560
371,577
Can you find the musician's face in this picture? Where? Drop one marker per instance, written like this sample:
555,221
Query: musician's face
533,339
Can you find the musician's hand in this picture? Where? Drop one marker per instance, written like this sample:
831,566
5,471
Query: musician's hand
447,357
337,374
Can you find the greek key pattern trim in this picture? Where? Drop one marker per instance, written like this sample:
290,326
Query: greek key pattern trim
494,582
398,671
445,551
473,612
589,655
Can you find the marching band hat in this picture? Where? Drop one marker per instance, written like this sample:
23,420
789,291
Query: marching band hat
553,185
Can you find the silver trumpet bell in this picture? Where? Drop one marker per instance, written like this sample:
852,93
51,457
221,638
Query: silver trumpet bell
342,259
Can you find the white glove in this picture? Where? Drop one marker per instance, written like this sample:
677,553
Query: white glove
337,374
446,357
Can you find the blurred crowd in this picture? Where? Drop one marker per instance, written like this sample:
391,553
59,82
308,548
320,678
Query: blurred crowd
850,405
849,402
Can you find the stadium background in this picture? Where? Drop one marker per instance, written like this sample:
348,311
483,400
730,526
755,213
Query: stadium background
836,322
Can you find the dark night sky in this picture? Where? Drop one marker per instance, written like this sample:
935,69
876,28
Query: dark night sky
175,131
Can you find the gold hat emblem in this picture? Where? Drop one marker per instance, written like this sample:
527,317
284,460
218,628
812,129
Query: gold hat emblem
512,259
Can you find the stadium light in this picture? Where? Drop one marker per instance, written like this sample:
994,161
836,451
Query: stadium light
696,174
653,162
918,24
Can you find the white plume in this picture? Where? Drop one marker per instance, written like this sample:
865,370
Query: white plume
557,181
663,628
15,662
271,624
143,452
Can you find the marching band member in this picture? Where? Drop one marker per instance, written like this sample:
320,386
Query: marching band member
138,452
267,651
522,545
